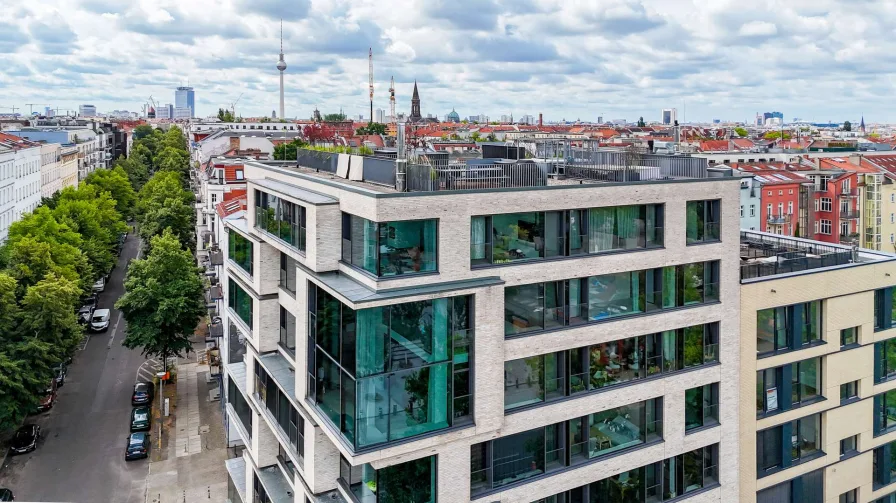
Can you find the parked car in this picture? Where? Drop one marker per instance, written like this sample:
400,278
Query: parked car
61,372
100,320
143,393
100,285
84,314
92,300
141,419
6,494
25,439
137,446
49,399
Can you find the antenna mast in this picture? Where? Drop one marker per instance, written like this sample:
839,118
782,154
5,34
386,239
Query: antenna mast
392,100
370,75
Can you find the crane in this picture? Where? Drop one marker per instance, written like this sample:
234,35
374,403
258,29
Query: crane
370,79
233,106
11,108
31,107
392,100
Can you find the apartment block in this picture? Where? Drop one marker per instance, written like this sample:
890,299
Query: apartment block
822,368
575,340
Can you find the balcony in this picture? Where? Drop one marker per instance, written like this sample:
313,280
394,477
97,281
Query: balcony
849,215
846,193
779,219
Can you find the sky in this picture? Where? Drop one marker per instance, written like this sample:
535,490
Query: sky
816,60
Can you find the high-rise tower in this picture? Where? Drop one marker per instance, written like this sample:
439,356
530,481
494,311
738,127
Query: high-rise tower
281,65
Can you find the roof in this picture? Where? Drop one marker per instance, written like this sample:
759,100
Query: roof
714,146
844,164
743,143
234,201
16,142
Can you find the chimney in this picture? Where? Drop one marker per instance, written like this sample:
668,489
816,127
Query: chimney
540,123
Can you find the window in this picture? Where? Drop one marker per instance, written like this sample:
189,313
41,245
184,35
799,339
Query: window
741,211
849,445
769,193
410,481
280,218
790,192
884,412
803,436
826,204
768,210
817,207
512,237
703,221
884,312
506,460
548,377
817,228
412,356
848,336
802,489
701,406
788,386
389,248
557,304
287,331
780,192
239,174
790,207
243,411
752,210
849,391
788,327
287,273
849,497
884,360
884,465
240,302
240,251
285,415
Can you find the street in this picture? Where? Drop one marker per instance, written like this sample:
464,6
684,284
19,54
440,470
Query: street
81,455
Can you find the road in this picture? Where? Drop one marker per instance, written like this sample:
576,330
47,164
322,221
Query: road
81,455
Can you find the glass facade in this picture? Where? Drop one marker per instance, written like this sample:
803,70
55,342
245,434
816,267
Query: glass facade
547,377
661,481
387,249
240,251
803,489
280,218
789,386
278,404
884,360
884,468
236,400
240,302
517,457
884,412
788,327
387,373
703,221
287,273
701,406
410,482
512,237
802,436
545,306
884,308
287,331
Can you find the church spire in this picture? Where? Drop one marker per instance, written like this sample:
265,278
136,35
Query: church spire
415,105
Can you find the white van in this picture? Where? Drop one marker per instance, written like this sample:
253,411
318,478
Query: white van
100,285
100,320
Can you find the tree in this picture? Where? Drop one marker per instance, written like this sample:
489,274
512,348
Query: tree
491,137
164,203
135,170
48,311
641,122
142,131
91,212
334,117
115,182
372,128
288,151
475,136
163,299
847,126
174,159
774,135
317,132
141,154
740,131
225,115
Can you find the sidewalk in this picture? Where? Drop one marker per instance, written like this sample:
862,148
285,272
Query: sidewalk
190,467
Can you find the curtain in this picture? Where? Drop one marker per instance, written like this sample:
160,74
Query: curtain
477,238
669,296
626,225
576,229
600,229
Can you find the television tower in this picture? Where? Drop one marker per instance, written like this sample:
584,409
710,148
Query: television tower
370,74
392,100
281,65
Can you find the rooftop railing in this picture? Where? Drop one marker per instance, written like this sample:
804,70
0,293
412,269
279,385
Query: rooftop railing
789,254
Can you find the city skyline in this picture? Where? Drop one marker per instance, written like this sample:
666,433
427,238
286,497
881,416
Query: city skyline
620,59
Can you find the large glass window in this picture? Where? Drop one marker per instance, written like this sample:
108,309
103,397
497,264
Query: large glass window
412,481
703,221
512,237
393,372
528,454
701,406
789,386
789,327
884,308
803,436
884,360
884,464
243,411
278,404
240,302
802,489
389,249
550,376
884,412
281,218
240,251
287,331
661,481
287,273
544,306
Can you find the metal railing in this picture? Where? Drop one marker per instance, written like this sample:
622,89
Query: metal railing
848,193
849,215
779,219
792,255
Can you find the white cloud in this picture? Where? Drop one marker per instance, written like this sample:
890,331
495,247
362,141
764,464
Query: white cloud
757,29
157,16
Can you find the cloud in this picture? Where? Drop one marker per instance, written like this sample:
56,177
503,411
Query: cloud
757,29
53,39
287,10
11,38
463,16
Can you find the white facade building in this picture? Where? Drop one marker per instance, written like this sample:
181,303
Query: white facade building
669,116
27,186
87,111
7,190
50,169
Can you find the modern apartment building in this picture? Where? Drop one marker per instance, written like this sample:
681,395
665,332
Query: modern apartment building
823,370
576,340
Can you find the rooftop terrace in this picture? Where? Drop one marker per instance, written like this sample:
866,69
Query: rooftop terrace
763,254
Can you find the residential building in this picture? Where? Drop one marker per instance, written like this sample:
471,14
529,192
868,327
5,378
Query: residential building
750,203
7,189
182,113
68,170
887,165
184,97
87,111
565,340
217,178
821,428
50,169
783,198
669,116
26,171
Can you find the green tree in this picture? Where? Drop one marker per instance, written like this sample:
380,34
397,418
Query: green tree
164,203
491,137
334,117
288,151
91,212
740,131
174,159
641,122
372,128
475,136
141,154
48,311
163,299
847,126
142,131
31,260
135,170
115,182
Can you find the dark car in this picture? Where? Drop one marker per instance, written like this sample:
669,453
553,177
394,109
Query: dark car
141,419
91,301
25,439
49,399
6,494
143,392
61,372
137,446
